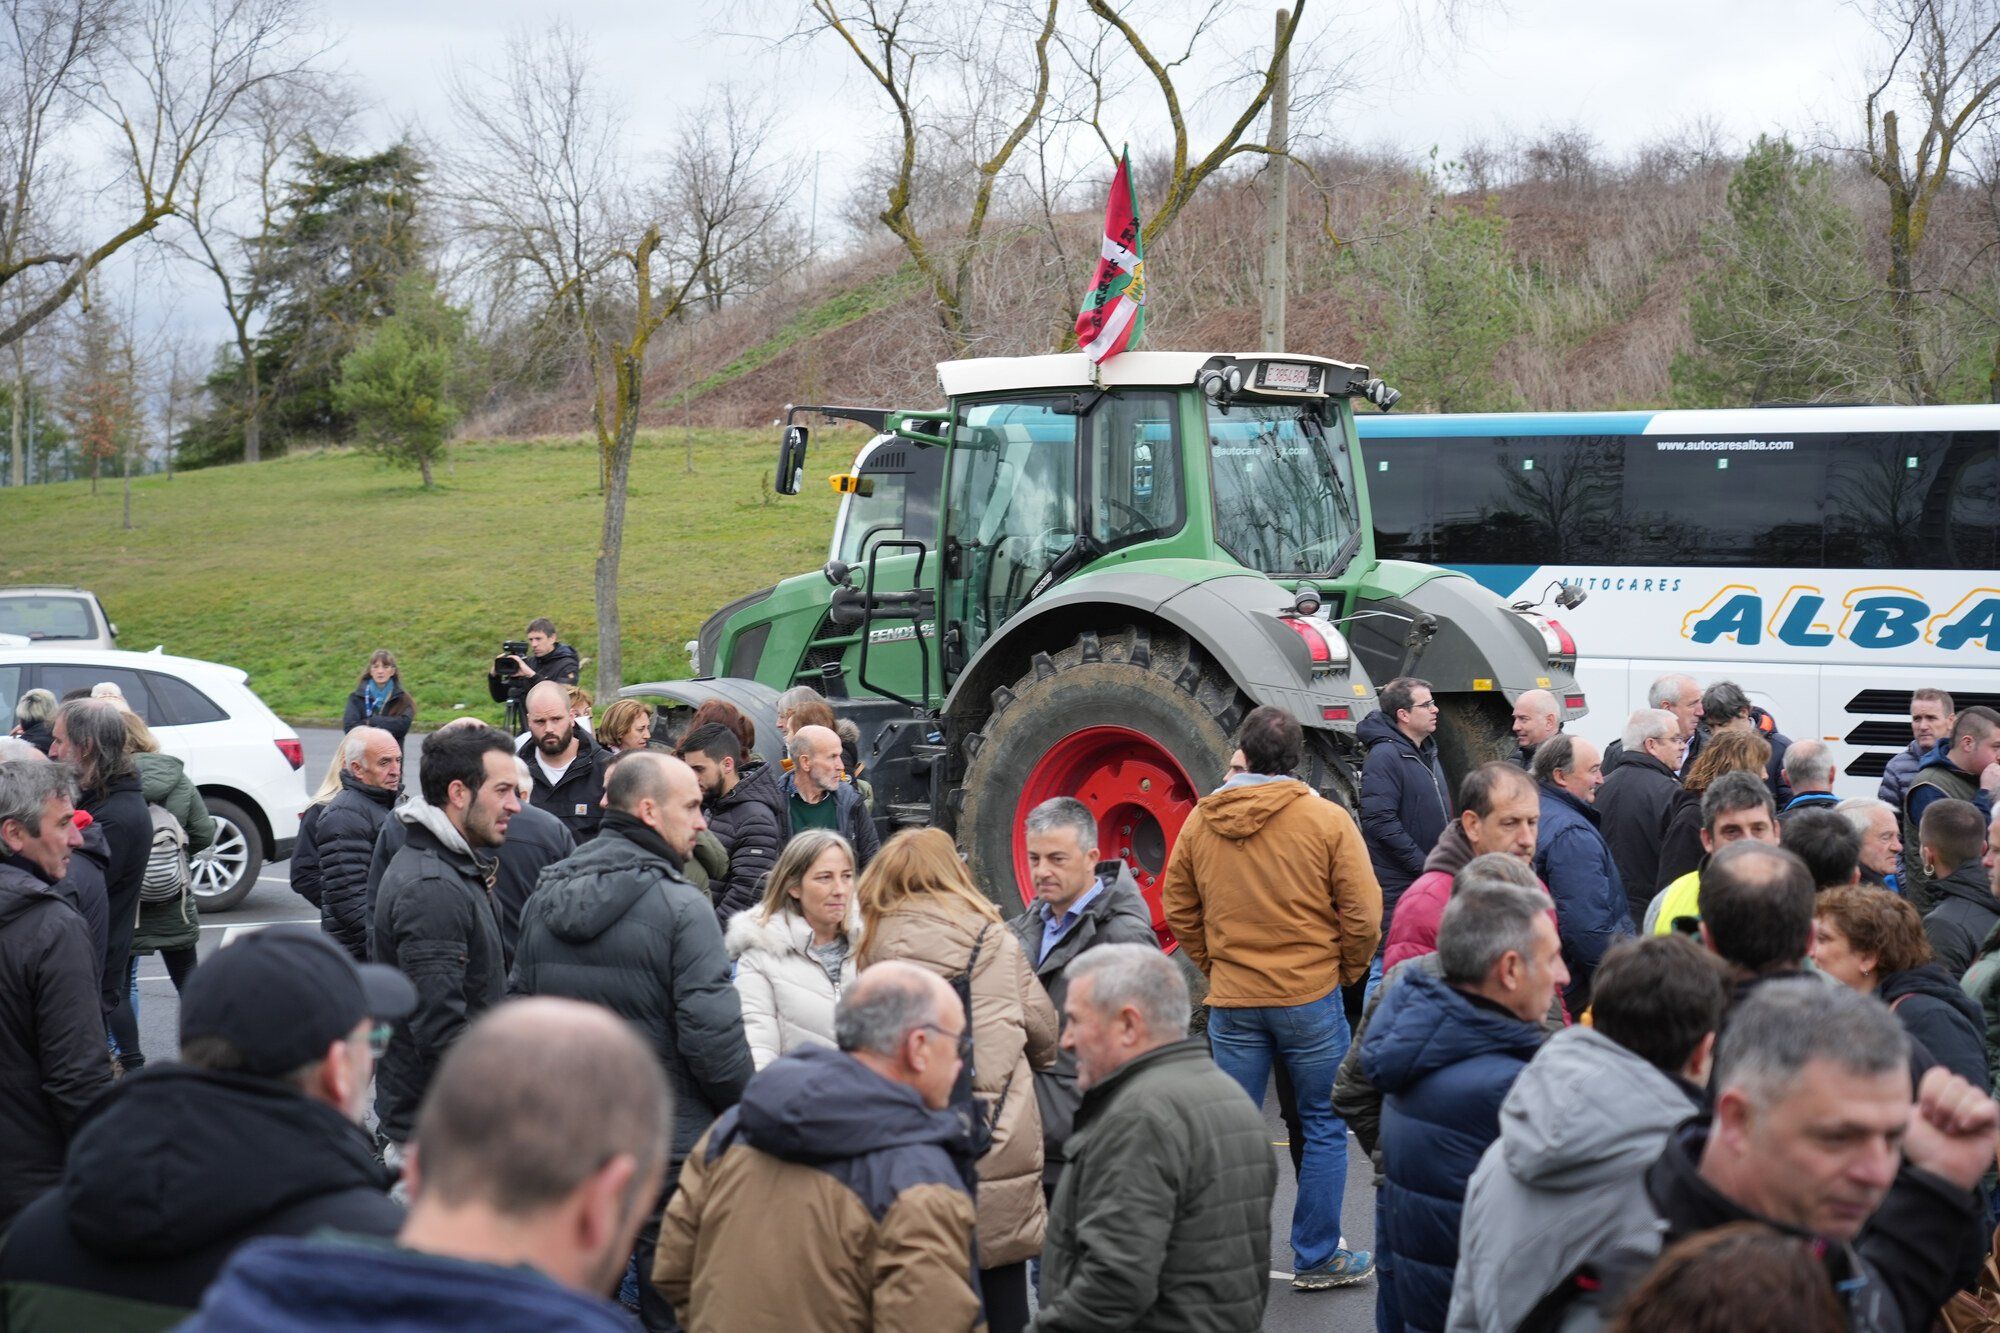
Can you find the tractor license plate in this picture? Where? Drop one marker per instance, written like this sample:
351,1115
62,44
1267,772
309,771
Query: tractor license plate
1287,375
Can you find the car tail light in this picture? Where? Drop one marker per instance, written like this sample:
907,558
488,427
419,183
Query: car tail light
294,752
1324,645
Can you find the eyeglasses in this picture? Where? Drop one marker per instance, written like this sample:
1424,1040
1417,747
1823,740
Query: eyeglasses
963,1037
1423,703
378,1039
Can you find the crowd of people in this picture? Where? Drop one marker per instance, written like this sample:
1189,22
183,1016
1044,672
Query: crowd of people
596,1027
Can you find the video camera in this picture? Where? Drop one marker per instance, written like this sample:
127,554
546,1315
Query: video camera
509,649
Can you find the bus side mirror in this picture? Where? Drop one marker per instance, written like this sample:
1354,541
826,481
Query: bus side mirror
791,461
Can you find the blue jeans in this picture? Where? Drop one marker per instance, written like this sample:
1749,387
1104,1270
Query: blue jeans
1374,979
1310,1039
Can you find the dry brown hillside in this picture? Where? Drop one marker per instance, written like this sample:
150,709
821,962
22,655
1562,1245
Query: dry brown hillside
1601,258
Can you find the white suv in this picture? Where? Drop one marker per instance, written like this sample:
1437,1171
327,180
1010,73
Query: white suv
69,617
242,758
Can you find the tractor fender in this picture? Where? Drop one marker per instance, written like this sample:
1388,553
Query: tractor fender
1233,619
756,700
1481,643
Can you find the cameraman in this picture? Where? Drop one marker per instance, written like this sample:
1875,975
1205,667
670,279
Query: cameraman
514,675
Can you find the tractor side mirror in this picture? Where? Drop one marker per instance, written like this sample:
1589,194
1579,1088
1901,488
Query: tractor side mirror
792,461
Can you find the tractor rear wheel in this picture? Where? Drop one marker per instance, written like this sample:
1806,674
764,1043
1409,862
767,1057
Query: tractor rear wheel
1135,723
1473,729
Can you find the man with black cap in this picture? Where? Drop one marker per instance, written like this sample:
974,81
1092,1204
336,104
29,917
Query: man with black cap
256,1132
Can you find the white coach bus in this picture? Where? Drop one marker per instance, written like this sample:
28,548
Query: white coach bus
1829,560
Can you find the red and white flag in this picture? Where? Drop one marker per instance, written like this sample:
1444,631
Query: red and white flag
1114,310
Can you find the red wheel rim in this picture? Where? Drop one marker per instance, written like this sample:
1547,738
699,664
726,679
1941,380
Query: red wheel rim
1138,792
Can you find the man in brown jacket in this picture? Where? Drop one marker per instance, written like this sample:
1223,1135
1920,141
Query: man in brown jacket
1270,893
834,1196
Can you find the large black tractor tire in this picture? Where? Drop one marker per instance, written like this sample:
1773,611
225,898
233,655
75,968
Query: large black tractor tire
1473,729
1149,682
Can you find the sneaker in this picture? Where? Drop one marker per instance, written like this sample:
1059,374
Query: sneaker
1346,1268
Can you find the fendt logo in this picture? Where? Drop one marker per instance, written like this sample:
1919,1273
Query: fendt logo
1879,617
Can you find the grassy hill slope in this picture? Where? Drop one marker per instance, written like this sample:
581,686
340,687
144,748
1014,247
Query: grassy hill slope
296,569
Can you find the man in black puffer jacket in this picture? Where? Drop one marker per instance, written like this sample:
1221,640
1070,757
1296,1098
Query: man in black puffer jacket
1636,799
618,925
535,841
1405,802
256,1132
346,831
90,737
434,917
744,810
52,1059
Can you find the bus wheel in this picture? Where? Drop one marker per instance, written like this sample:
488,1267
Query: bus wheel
1473,729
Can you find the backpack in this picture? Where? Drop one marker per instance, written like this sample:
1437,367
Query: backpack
167,871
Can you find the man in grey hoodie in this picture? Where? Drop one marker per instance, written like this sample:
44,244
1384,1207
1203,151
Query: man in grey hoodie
1579,1128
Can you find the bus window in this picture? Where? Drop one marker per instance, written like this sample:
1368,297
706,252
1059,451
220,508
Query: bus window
1726,501
1499,499
1878,489
1972,518
1399,493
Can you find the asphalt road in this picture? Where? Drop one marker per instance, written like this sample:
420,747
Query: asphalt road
1351,1310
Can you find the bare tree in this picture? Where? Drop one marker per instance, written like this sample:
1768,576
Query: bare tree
1945,67
553,209
50,50
719,172
162,77
918,53
235,207
1187,172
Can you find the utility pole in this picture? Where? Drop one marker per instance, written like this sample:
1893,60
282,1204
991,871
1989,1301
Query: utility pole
1278,180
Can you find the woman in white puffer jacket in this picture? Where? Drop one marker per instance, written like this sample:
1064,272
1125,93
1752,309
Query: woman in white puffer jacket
794,951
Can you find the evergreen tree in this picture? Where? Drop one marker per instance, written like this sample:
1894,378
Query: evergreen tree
1452,306
1790,311
351,233
400,386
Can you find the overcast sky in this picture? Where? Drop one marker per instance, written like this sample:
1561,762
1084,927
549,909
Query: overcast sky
1624,71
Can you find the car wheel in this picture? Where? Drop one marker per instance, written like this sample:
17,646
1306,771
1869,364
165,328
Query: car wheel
224,873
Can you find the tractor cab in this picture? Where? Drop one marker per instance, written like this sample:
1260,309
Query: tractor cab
1076,580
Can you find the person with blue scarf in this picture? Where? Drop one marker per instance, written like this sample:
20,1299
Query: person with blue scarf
379,699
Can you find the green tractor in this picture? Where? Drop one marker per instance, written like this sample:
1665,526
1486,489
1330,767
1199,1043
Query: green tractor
1075,580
